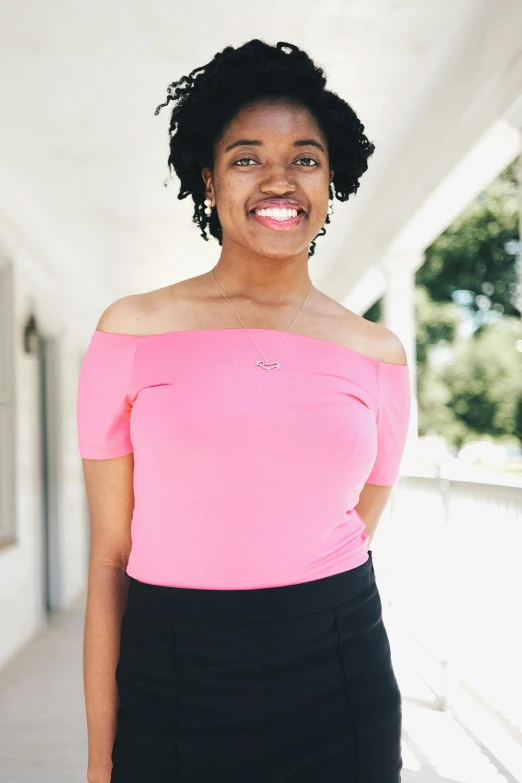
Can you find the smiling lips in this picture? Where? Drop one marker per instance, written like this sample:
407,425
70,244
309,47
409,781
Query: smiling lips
278,218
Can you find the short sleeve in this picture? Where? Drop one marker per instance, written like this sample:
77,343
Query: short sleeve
104,402
393,418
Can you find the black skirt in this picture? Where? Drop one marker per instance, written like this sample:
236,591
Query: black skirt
290,684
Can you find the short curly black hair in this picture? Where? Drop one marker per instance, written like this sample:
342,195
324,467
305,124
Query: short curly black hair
212,95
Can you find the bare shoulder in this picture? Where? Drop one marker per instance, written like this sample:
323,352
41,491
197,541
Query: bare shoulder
159,310
128,315
368,337
388,346
380,342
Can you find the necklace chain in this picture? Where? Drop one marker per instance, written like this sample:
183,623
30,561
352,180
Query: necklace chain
266,362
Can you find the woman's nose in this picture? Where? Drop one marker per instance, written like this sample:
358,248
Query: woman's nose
279,183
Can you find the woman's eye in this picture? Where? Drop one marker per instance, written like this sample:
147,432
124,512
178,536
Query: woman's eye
298,161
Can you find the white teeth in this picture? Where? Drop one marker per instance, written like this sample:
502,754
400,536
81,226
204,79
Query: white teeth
278,214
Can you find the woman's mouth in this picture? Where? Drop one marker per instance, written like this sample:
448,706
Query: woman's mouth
278,219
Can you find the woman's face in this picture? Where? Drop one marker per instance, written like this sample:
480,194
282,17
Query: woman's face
272,155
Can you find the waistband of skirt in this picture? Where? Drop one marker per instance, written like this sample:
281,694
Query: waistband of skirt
254,604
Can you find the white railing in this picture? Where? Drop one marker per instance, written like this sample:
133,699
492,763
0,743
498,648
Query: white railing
449,558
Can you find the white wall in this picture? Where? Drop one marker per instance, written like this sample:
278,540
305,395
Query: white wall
22,601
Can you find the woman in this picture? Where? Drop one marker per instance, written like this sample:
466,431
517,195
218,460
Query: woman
236,465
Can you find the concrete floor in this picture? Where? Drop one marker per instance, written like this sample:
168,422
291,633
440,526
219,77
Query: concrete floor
42,719
43,730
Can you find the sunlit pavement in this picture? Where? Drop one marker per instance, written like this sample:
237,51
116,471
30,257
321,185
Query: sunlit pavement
43,735
464,745
42,719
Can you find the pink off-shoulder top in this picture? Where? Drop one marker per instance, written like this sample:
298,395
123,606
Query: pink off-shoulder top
243,477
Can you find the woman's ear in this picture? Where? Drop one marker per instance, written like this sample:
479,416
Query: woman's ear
207,179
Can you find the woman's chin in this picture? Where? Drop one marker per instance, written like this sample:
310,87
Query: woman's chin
277,244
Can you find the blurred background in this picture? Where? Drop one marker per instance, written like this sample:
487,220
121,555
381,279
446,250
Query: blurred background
429,246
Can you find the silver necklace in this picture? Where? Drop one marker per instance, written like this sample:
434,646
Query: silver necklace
265,363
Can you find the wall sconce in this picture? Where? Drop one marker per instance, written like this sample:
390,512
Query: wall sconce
31,336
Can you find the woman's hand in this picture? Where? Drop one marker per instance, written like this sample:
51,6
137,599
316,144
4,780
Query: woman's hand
99,774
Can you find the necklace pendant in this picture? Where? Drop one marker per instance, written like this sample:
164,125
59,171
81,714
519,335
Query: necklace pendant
268,365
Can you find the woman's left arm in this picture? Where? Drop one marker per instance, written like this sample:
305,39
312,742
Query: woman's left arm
372,502
392,426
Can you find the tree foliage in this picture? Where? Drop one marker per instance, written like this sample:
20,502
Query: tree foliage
478,253
468,304
484,380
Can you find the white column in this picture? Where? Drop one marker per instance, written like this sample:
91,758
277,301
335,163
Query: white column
399,316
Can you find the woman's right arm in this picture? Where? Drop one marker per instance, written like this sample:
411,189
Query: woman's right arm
109,486
104,405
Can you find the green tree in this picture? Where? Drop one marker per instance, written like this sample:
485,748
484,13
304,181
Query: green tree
471,386
484,380
478,254
436,326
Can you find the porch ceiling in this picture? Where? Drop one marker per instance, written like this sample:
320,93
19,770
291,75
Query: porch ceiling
79,140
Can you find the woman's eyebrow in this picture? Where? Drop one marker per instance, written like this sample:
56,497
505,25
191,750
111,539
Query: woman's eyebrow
257,143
